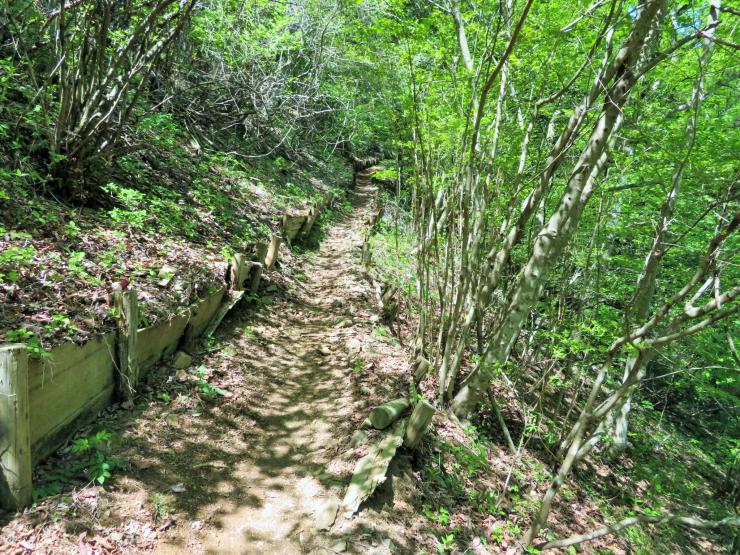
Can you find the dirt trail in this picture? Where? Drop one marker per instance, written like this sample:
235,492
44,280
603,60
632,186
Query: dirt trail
247,472
295,386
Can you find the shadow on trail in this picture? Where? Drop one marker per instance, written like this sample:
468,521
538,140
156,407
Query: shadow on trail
246,472
255,464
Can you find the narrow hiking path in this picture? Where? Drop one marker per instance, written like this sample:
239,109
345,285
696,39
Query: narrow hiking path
250,472
301,414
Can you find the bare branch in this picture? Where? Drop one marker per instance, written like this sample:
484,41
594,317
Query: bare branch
690,522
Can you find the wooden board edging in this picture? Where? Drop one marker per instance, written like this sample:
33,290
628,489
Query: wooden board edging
68,389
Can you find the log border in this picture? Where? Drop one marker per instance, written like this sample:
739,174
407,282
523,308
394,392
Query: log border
19,454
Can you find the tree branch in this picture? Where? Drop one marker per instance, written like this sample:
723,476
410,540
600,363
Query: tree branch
690,522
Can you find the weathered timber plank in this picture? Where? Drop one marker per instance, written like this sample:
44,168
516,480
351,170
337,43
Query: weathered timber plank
372,468
127,322
161,340
75,383
292,224
15,428
231,298
202,313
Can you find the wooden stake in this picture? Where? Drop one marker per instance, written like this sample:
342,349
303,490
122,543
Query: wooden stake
419,423
313,214
422,369
15,428
261,250
366,260
127,311
272,252
255,277
236,273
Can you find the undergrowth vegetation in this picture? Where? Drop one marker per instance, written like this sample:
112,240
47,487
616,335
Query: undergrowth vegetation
559,188
154,193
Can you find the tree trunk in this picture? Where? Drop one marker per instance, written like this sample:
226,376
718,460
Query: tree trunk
552,239
616,424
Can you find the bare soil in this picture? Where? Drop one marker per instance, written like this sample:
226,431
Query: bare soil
296,402
241,451
247,472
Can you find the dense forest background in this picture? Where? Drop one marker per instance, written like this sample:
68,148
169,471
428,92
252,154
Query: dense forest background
560,191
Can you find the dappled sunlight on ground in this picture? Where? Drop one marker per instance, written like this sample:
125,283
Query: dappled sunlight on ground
249,470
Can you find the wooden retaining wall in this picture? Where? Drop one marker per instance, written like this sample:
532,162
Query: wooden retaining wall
161,340
77,380
44,401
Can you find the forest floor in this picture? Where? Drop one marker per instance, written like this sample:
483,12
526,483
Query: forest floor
241,451
248,469
168,229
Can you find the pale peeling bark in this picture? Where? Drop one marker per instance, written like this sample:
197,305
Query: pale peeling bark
473,205
584,435
617,425
462,37
689,522
556,234
514,225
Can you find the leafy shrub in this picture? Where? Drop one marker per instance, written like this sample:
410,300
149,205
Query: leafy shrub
90,456
11,259
33,344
